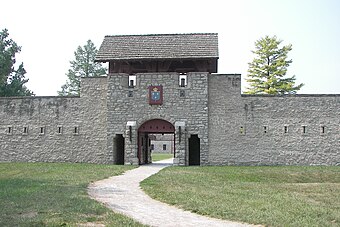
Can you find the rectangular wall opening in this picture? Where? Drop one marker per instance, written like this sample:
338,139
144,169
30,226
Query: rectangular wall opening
119,149
75,130
60,130
194,150
265,129
183,81
42,131
132,81
10,130
25,130
242,130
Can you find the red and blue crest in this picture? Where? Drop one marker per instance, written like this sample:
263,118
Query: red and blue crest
155,95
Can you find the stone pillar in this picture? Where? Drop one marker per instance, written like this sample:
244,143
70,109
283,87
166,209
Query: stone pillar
180,144
131,143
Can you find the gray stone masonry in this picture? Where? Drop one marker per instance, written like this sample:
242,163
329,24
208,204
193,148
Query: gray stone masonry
271,130
160,141
234,129
50,124
191,109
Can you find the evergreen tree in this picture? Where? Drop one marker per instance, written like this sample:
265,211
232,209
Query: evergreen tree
82,66
12,81
266,73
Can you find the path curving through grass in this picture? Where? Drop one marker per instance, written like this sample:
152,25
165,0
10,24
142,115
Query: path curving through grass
273,196
55,194
123,194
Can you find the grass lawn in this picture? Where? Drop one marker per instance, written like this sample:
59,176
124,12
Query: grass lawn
272,196
51,194
161,156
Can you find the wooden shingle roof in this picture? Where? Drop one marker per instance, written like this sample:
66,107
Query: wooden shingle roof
162,46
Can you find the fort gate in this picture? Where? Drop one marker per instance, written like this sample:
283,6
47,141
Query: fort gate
168,84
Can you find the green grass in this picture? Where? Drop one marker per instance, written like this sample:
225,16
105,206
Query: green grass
161,156
272,196
50,194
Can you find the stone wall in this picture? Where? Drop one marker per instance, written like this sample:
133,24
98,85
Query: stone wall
234,129
55,129
131,105
271,130
163,144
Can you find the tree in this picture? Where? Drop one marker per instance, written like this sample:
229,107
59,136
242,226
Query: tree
266,73
12,81
82,66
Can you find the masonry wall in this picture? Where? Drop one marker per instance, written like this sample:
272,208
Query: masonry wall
234,129
160,148
191,109
271,130
50,124
160,141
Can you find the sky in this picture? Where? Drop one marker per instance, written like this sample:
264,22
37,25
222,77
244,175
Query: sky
50,31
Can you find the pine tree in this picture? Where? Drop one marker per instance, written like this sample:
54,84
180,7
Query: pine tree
12,81
82,66
266,73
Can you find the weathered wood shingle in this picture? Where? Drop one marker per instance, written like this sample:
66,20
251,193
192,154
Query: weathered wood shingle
164,46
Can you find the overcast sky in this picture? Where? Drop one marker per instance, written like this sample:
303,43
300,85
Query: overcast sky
50,31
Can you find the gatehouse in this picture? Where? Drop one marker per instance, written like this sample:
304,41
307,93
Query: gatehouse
167,85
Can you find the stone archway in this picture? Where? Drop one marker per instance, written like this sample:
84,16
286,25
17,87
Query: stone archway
154,126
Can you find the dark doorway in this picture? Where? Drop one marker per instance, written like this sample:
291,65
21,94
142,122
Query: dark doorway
143,148
194,150
119,144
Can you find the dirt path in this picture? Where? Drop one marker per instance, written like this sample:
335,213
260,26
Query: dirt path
123,195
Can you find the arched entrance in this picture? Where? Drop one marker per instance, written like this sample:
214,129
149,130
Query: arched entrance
147,131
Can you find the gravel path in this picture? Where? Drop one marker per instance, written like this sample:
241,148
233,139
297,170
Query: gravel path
123,195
